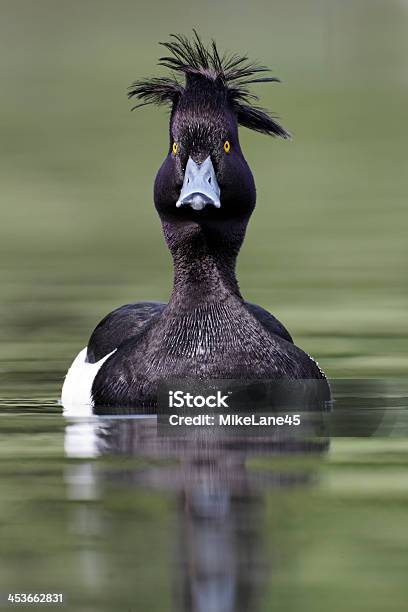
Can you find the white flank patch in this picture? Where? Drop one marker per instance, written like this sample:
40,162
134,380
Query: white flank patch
76,396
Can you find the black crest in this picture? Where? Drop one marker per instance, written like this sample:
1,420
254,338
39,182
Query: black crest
231,73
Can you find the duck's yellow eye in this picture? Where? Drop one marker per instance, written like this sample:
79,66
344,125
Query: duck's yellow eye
227,146
175,147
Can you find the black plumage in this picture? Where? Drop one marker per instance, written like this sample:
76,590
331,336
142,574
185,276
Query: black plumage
231,75
206,330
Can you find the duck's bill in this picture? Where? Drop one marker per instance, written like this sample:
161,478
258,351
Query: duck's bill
200,187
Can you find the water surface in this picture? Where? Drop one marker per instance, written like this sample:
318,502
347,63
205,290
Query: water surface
119,518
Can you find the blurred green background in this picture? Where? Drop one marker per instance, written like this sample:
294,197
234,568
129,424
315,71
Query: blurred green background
326,249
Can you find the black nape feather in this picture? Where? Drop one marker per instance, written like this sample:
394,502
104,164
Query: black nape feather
232,73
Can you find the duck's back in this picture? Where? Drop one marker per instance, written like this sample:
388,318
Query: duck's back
120,325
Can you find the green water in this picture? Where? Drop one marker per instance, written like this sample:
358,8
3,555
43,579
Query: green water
96,510
116,518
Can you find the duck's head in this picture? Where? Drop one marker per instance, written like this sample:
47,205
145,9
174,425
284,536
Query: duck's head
204,177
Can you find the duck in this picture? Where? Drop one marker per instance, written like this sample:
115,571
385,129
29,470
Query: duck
204,194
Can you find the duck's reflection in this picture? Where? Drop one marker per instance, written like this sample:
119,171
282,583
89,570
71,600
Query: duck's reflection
220,556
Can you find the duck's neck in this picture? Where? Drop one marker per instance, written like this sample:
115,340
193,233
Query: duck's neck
204,264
